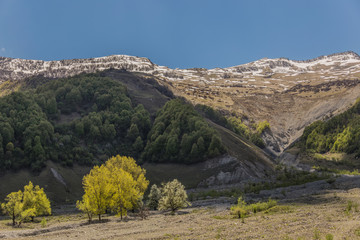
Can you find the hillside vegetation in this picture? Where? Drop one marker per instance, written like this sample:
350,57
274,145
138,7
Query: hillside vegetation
88,118
236,124
339,134
180,134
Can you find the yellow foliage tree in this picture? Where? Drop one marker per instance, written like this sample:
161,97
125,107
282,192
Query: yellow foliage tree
97,192
118,185
26,205
13,205
35,198
124,194
86,206
128,164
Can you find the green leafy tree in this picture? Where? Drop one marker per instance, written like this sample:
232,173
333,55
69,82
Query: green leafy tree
38,154
138,145
194,151
108,131
79,128
154,197
133,132
9,149
51,105
173,196
1,151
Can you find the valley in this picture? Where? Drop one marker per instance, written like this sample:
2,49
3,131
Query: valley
273,128
288,94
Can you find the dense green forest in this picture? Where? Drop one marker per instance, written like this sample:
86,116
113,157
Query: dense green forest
180,134
89,118
339,134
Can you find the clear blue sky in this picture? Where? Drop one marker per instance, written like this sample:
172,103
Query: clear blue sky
179,33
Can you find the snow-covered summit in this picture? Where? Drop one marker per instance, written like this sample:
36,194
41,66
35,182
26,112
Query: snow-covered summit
15,69
326,67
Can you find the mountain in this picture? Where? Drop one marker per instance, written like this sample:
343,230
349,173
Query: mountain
288,94
53,130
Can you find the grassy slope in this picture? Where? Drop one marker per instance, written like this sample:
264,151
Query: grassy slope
57,192
242,148
142,89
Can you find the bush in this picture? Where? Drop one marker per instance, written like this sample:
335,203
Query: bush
329,236
242,210
43,222
174,196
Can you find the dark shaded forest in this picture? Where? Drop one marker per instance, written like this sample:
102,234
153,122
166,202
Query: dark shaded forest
89,118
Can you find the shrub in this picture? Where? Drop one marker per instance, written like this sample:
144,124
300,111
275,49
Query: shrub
329,236
174,196
242,210
43,222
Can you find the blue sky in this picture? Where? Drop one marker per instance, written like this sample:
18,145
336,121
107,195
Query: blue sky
179,33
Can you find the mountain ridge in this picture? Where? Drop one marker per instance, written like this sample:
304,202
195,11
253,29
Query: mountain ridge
289,94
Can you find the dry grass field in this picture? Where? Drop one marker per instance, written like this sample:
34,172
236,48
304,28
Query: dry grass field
332,212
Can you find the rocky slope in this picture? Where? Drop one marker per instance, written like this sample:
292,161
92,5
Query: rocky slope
288,94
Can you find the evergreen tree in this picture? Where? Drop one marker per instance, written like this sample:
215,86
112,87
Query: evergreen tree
133,132
138,145
154,197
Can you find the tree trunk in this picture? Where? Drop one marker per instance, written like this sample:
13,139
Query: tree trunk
99,217
13,218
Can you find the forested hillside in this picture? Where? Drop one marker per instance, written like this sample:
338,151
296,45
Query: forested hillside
89,118
180,134
339,134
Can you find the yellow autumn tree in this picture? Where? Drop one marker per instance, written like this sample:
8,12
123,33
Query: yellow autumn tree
117,185
13,205
97,192
35,201
86,206
22,206
128,164
123,191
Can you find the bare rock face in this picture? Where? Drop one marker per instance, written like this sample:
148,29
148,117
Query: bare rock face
288,94
233,171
